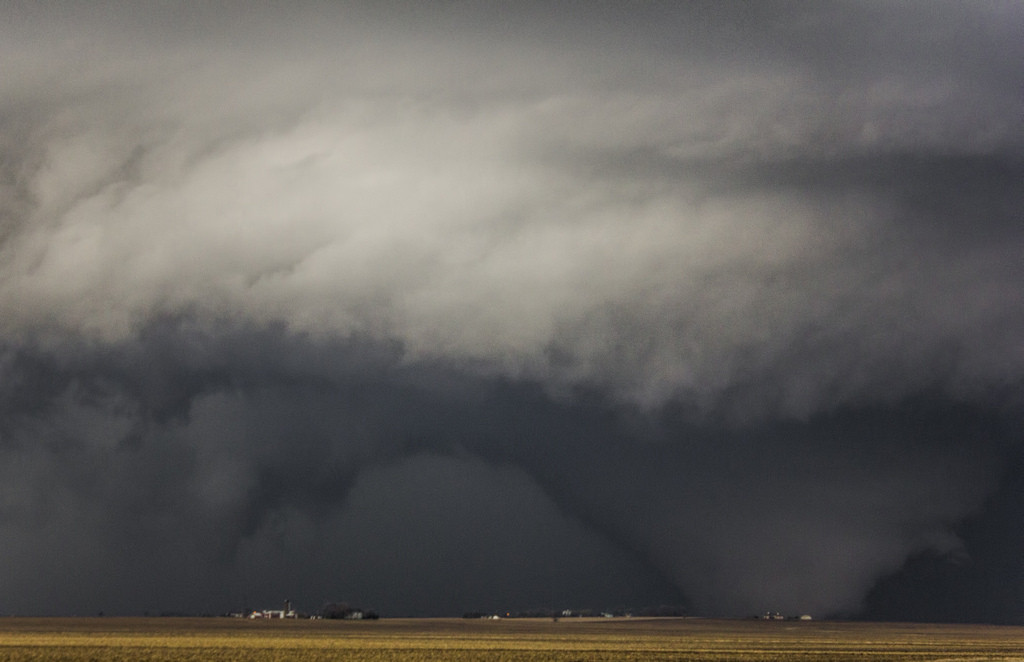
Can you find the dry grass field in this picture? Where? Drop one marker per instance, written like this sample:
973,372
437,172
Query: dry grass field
172,639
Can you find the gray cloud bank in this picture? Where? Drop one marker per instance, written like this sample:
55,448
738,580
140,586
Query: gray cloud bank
490,306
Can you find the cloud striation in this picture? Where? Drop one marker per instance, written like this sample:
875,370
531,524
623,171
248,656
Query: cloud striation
484,306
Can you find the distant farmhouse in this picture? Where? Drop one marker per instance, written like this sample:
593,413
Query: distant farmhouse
273,613
776,616
287,612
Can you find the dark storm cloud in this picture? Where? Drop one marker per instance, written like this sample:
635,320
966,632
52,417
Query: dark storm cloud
523,304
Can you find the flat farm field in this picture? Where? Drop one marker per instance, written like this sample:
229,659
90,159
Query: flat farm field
216,639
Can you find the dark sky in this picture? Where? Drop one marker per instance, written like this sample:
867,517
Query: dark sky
439,307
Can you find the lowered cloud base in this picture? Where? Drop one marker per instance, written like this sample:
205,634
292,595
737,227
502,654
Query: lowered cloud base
527,308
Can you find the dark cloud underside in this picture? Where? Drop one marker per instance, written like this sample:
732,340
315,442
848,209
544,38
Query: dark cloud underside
481,306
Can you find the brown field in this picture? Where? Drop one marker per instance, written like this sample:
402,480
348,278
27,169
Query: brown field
167,639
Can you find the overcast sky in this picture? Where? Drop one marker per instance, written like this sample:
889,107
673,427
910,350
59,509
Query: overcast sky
452,306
